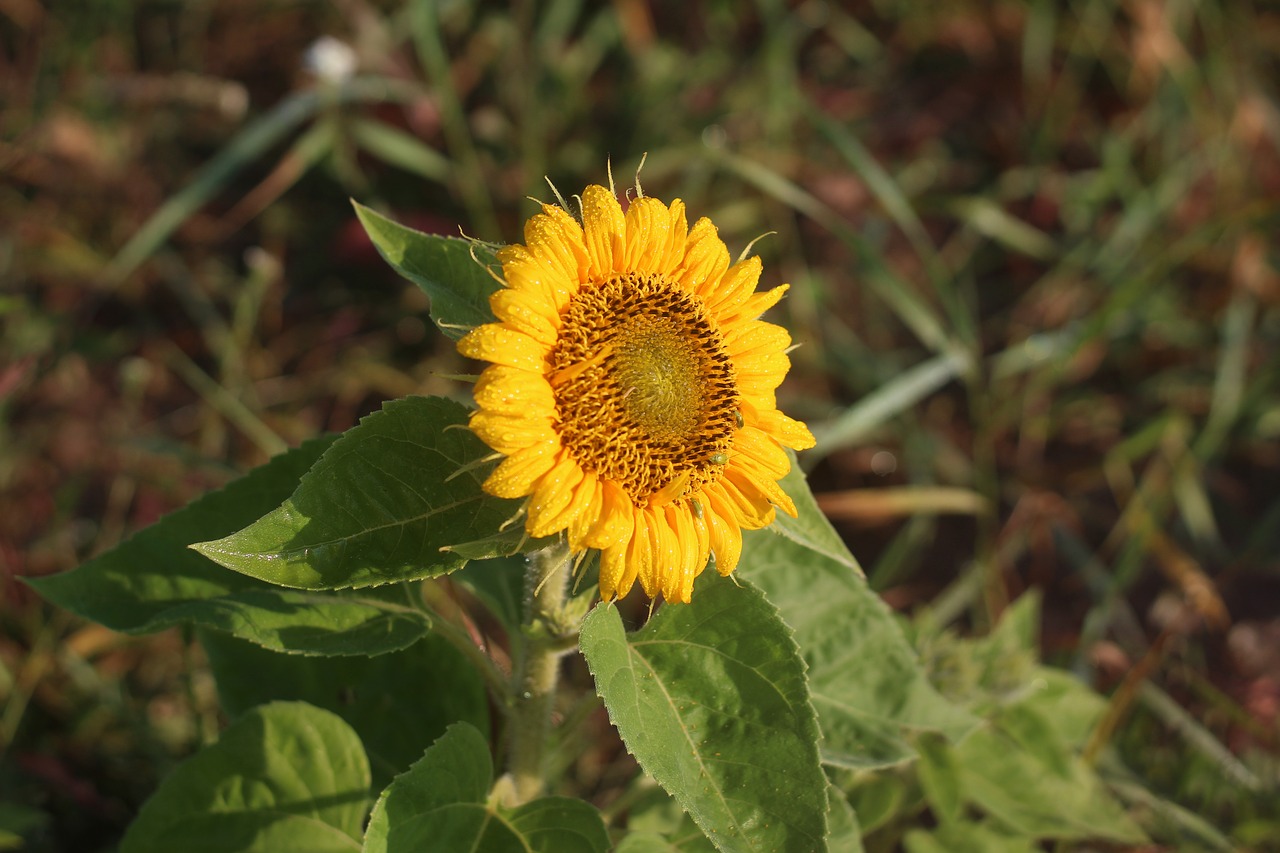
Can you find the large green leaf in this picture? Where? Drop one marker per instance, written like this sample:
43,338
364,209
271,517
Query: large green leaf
1061,800
454,273
132,587
1021,768
153,580
866,681
308,623
440,804
380,505
284,777
810,528
398,703
657,824
710,698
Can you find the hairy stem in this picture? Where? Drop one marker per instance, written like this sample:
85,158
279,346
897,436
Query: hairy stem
546,586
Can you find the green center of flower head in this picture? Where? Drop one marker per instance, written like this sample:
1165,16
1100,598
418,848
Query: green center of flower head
658,368
645,393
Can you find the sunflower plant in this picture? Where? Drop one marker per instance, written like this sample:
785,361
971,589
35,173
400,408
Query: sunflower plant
391,613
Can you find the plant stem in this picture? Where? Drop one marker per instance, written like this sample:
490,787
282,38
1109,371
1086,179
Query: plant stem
546,586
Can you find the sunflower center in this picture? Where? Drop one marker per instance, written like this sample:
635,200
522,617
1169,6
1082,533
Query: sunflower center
658,368
645,393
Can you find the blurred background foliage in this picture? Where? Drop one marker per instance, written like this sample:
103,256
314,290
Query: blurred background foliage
1035,284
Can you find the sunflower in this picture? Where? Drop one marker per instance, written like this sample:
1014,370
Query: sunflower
631,390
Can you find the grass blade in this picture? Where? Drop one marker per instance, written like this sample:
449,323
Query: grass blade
247,146
873,410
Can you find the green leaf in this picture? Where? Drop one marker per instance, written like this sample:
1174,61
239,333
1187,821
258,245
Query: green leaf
690,841
966,838
440,804
939,776
501,543
710,698
657,824
154,581
378,507
844,835
652,842
133,587
284,777
307,623
1007,657
878,797
810,528
455,273
866,681
1070,706
556,824
398,703
1024,794
1033,732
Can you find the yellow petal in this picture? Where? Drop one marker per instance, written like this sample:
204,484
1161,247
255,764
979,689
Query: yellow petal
755,305
761,368
762,450
726,540
617,517
750,509
764,486
528,313
705,259
678,582
520,472
736,285
666,552
603,228
615,580
639,556
512,391
755,338
509,433
585,502
648,235
502,344
557,242
671,256
545,288
571,243
532,274
787,432
592,494
557,237
702,533
553,496
760,385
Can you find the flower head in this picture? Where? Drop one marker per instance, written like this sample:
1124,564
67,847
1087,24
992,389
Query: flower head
631,389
